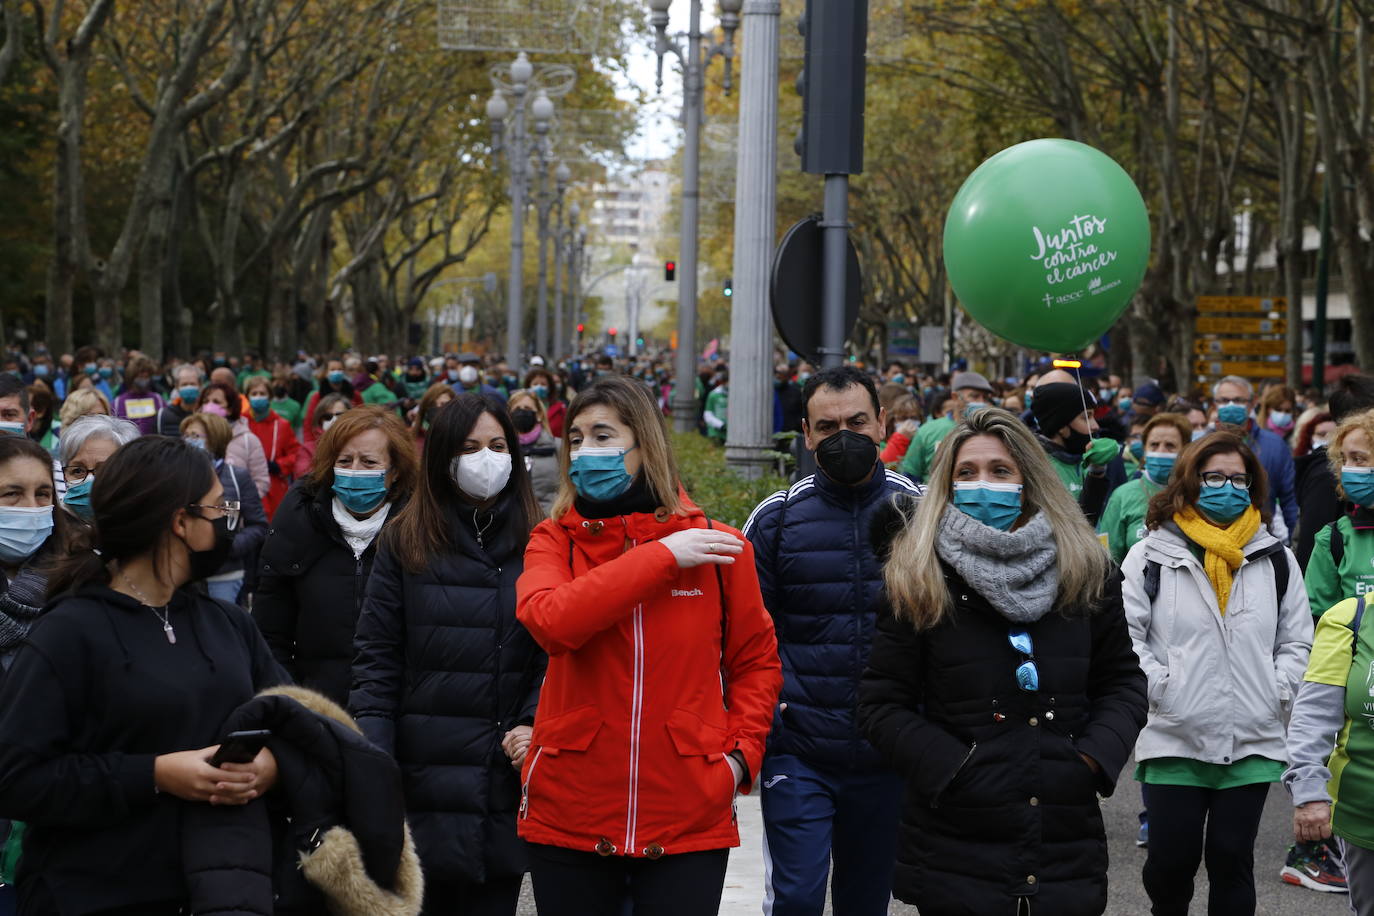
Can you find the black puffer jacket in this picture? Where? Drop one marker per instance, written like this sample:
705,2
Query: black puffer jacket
443,671
999,805
311,589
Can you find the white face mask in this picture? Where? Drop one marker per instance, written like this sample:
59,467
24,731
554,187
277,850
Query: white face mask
481,475
329,421
1320,443
467,375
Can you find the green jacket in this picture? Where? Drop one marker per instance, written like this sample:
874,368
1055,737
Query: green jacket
1329,584
378,393
1123,521
245,374
921,453
716,403
289,410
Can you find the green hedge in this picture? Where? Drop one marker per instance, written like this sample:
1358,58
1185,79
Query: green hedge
721,495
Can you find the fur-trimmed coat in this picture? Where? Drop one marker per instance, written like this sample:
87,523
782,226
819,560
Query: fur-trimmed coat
330,838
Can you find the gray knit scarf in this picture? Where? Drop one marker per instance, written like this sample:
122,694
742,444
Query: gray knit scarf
20,604
1014,570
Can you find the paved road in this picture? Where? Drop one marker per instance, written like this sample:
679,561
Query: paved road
744,883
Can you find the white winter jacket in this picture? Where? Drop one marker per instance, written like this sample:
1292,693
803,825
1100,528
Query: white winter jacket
1220,688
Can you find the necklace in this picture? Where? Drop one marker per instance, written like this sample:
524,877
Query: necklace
163,614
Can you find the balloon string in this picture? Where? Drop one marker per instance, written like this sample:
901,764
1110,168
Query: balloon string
1083,397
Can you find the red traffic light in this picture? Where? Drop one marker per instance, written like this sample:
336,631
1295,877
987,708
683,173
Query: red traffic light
581,328
669,270
611,332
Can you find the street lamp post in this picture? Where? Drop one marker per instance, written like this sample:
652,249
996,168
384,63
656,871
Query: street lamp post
694,57
546,202
516,142
562,265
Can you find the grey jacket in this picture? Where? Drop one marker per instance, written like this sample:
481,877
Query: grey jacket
1220,688
541,459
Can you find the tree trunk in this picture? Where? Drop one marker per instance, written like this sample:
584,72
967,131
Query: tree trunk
152,263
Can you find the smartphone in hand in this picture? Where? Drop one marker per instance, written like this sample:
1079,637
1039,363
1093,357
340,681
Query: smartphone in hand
240,747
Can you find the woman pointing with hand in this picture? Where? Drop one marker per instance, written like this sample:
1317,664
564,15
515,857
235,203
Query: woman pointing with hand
663,673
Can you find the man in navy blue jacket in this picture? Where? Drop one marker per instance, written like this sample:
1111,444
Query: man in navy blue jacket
1234,398
824,791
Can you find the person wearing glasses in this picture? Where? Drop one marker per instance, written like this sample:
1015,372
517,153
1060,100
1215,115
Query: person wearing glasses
114,703
249,528
1001,683
1221,623
1233,399
83,449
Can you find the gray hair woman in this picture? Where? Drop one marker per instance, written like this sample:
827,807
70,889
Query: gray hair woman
85,445
1003,685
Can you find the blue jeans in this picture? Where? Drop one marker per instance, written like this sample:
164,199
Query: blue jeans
227,590
812,815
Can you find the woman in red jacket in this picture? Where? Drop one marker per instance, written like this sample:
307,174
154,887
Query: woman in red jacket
278,440
663,674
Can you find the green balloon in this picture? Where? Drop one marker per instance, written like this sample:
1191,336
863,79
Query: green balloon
1046,243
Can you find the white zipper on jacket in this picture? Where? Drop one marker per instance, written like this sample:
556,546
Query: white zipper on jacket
636,716
525,789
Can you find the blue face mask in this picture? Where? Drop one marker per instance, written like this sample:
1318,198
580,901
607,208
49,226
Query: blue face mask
78,498
1358,484
23,529
1137,450
1027,398
194,442
1198,434
997,505
360,491
973,408
1223,504
11,429
599,473
188,393
91,369
1159,465
106,372
1124,404
259,405
336,376
1233,414
1280,419
541,392
40,370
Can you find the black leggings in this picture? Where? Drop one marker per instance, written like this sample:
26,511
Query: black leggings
1178,840
497,897
572,883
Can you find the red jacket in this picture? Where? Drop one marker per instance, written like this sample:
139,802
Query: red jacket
278,444
632,729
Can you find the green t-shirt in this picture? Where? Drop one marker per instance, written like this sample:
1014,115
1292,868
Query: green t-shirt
245,374
920,455
289,410
1328,585
1123,520
1181,771
377,393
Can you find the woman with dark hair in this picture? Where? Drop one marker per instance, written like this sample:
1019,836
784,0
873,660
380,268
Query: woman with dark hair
112,708
276,438
1221,623
549,390
663,674
318,555
445,678
32,537
244,449
230,581
439,394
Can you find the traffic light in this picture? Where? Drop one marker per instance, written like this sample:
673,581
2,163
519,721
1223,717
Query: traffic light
669,271
612,333
639,341
729,288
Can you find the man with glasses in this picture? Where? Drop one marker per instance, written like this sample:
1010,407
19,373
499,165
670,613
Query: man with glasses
1234,399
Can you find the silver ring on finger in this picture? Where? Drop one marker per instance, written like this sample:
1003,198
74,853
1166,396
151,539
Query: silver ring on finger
711,548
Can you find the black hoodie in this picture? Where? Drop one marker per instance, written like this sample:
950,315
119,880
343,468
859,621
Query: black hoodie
95,693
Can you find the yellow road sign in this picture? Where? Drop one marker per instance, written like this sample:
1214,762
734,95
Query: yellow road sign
1214,368
1242,325
1241,303
1242,347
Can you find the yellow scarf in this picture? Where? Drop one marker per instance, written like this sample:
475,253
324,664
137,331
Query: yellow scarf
1225,547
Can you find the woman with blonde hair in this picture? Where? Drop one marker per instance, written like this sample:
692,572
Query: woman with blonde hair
662,677
80,402
538,444
1002,685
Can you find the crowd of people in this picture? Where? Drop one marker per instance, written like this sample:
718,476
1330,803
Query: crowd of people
368,635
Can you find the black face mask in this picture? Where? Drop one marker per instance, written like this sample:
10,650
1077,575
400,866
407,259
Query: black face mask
524,419
205,563
1076,443
847,457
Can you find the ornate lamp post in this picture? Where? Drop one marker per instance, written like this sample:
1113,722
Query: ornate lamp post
694,56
